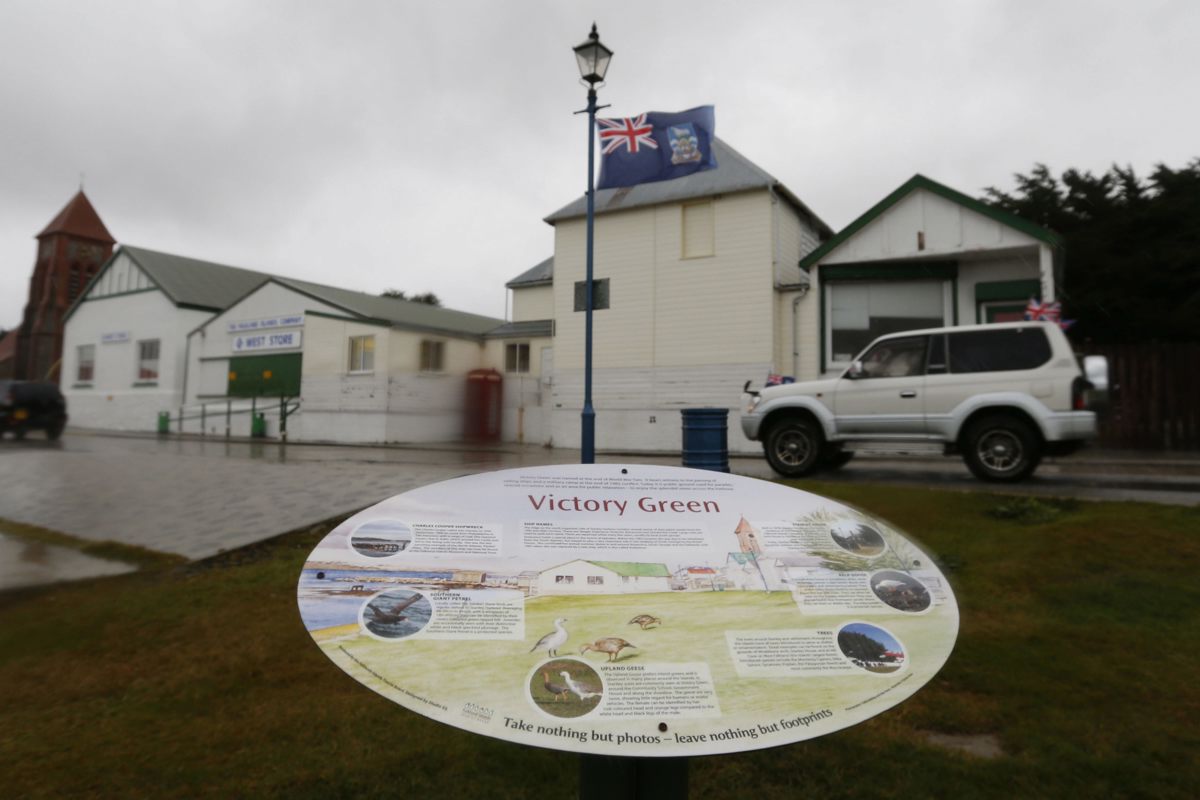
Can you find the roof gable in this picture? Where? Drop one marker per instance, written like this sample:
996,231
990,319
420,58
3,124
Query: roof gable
913,184
79,218
734,173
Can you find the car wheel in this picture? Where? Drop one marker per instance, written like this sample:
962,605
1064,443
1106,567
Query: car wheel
55,429
793,447
18,433
1001,449
835,457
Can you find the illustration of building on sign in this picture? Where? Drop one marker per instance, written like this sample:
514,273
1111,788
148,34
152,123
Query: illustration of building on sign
603,577
747,537
699,579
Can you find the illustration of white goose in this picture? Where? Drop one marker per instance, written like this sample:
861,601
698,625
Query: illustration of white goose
553,640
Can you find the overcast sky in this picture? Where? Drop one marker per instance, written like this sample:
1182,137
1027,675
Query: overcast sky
374,145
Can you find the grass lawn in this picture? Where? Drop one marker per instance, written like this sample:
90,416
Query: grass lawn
1076,656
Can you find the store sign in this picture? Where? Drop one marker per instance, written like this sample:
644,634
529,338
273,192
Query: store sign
116,337
266,323
284,340
630,609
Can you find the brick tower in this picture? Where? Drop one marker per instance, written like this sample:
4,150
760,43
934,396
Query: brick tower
70,251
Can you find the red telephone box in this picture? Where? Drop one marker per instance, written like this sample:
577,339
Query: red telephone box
484,398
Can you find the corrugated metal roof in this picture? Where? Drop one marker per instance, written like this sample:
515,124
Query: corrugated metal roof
734,173
540,273
204,284
192,282
398,312
528,328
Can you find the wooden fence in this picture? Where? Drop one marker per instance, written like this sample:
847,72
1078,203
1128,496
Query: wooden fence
1156,401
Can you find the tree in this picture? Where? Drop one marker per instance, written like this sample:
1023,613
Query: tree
1132,247
428,298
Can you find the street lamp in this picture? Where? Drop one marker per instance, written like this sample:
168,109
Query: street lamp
593,58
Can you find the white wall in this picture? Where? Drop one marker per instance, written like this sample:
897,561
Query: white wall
949,229
112,400
212,345
532,302
680,332
394,403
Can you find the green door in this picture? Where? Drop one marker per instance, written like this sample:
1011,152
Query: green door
270,376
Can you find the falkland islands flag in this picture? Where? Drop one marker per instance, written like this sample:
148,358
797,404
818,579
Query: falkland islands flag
655,146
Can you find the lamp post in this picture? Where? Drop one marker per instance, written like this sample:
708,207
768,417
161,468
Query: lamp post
593,58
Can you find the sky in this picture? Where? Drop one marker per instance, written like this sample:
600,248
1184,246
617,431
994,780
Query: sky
380,144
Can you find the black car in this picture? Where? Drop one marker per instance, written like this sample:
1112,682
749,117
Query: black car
27,405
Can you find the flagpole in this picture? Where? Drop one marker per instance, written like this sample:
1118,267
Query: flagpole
587,438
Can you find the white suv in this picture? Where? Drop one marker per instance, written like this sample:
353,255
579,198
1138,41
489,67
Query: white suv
1002,395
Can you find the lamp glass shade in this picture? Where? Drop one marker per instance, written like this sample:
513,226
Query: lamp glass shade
593,58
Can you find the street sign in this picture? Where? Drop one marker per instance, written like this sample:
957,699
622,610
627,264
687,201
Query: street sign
629,610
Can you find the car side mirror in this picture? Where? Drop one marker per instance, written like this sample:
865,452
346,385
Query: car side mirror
856,371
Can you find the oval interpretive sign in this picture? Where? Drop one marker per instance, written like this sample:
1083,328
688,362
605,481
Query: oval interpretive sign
629,609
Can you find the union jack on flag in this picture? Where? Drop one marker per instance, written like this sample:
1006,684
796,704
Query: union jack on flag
1047,312
632,132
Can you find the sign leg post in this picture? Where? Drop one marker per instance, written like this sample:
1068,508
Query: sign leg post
626,778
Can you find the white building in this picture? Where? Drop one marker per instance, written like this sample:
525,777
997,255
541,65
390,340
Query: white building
364,368
156,332
688,274
604,577
724,276
124,339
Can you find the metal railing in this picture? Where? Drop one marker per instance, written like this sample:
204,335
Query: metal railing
196,418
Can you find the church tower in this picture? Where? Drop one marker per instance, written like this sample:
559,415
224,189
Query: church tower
71,249
747,537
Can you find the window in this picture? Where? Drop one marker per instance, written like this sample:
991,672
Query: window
362,353
595,580
599,294
86,355
431,355
564,578
698,230
148,360
859,312
516,358
998,351
895,358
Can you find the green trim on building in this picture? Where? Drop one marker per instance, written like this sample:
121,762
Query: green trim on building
1008,290
892,270
921,182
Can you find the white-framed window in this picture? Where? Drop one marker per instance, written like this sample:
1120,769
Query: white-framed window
698,230
362,353
564,578
516,357
432,352
858,312
147,360
85,354
595,580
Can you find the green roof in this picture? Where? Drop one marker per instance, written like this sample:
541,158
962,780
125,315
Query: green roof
634,569
192,282
215,287
921,182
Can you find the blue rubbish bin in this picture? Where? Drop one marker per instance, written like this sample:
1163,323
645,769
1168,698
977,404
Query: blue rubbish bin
705,438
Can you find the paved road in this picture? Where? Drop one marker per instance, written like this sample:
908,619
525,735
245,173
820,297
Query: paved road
197,498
